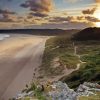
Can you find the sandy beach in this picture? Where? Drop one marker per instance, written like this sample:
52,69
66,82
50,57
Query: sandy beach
20,56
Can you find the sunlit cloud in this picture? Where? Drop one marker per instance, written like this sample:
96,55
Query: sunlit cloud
89,11
92,19
39,8
97,1
39,13
61,19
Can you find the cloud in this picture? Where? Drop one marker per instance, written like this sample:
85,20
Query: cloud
6,11
39,14
38,7
6,15
71,1
92,19
80,18
61,19
6,18
89,11
97,1
70,25
87,19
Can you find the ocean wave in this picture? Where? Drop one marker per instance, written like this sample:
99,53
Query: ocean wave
4,36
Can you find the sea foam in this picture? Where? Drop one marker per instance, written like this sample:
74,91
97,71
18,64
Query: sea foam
4,36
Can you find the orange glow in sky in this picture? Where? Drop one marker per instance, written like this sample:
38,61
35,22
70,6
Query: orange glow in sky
97,15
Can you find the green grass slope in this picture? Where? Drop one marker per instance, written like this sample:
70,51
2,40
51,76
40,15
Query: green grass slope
63,48
89,71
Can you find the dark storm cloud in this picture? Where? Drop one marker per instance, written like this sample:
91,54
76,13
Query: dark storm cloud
38,7
89,11
92,19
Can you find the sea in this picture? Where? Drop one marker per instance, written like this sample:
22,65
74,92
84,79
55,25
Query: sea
4,36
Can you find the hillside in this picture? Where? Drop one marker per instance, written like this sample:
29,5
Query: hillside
60,60
87,34
75,63
88,47
90,70
59,91
46,32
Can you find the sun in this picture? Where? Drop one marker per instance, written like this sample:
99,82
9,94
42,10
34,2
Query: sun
97,15
97,24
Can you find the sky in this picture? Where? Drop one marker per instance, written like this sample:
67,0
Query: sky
43,14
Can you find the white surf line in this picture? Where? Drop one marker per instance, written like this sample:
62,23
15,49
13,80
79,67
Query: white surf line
4,36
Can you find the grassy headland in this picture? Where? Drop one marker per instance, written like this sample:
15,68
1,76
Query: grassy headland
89,52
61,53
60,50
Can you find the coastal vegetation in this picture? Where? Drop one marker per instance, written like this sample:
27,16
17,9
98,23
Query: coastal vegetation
80,58
89,71
62,47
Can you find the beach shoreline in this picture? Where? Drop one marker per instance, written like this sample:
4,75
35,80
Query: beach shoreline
20,56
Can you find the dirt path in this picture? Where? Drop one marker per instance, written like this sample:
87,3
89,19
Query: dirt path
19,59
79,56
69,71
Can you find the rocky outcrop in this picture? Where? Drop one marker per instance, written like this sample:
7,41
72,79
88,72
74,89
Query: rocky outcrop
87,89
60,91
